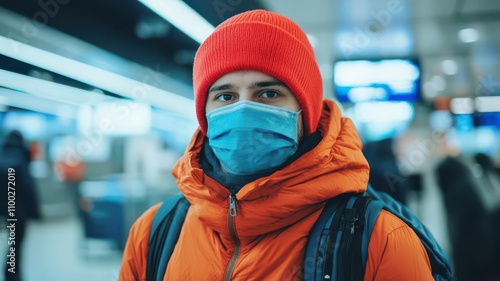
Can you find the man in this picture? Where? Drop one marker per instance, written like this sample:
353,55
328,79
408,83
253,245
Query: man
268,155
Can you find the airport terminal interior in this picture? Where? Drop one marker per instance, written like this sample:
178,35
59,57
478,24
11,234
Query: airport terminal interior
100,93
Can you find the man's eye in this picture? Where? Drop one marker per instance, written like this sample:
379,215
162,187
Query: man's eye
224,97
269,94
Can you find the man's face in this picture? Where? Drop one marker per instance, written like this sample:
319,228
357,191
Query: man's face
253,86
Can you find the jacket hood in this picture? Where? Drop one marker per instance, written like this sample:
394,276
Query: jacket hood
335,166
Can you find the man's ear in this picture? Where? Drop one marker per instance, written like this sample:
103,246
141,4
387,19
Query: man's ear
300,127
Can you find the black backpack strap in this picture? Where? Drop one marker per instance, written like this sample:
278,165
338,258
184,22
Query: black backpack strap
165,231
350,265
338,243
336,239
323,241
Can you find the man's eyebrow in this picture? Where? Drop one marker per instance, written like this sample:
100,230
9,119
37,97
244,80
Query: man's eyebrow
256,85
264,84
222,87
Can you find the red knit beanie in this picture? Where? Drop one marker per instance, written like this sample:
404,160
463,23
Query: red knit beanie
262,41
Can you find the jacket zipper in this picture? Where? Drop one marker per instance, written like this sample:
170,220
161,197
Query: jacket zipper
232,231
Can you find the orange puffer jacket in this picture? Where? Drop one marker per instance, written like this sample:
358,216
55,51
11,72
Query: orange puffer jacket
267,238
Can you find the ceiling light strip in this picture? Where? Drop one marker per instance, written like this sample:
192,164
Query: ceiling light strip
50,90
179,14
488,104
29,102
97,77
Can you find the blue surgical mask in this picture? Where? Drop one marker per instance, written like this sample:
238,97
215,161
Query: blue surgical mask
249,137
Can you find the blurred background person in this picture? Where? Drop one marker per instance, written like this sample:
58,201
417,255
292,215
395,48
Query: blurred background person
473,229
488,182
15,155
384,171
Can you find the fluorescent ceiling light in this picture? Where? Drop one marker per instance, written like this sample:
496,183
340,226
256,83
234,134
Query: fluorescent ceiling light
181,16
449,67
30,102
132,118
372,112
98,77
462,105
50,90
468,35
488,104
366,73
